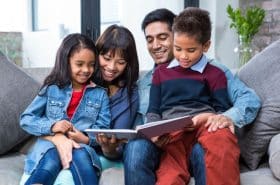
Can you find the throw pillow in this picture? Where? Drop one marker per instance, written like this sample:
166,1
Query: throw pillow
262,74
17,91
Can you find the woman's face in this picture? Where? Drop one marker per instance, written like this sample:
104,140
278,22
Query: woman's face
111,66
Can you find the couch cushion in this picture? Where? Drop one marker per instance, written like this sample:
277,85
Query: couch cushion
274,155
261,176
11,169
17,91
262,74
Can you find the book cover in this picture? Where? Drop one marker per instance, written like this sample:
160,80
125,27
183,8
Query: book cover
147,130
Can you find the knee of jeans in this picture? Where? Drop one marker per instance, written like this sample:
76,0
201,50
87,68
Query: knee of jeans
139,152
50,160
81,155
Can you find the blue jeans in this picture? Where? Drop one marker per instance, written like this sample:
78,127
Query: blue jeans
49,167
141,159
197,165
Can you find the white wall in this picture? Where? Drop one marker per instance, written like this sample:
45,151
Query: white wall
131,16
224,39
40,47
13,15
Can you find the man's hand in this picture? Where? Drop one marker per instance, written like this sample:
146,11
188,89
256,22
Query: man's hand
219,121
62,126
201,118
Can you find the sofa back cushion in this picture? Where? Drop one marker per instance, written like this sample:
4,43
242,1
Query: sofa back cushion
262,73
17,91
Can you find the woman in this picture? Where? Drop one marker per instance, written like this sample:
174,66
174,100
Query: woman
118,71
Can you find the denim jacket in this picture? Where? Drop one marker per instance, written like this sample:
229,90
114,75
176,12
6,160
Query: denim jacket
51,105
245,101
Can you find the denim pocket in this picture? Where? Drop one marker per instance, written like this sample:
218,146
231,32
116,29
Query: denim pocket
55,109
92,107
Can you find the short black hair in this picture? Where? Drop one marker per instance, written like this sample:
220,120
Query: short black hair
194,22
162,15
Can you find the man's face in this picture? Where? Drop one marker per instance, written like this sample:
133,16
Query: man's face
159,42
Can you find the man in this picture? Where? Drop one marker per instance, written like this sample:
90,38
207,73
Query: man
141,157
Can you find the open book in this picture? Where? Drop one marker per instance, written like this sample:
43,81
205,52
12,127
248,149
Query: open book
147,130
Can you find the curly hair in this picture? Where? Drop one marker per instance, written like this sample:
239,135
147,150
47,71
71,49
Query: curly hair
193,22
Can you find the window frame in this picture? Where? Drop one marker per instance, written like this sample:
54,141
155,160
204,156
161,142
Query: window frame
90,15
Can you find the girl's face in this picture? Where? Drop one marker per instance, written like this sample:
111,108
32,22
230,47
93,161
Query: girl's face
111,66
187,50
82,67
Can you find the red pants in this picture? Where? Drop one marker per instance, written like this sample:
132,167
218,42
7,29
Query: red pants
221,157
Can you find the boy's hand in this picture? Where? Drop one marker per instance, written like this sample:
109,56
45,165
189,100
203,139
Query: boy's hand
160,141
219,121
62,126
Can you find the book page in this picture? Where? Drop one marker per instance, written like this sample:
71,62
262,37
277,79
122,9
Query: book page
158,128
119,133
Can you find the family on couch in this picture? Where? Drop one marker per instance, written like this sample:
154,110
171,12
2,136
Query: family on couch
117,69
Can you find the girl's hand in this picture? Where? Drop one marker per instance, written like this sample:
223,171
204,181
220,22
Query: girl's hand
78,136
219,121
62,126
64,147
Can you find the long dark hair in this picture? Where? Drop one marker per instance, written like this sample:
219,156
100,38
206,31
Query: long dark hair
61,72
119,39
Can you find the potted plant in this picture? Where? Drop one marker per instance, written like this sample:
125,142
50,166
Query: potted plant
247,24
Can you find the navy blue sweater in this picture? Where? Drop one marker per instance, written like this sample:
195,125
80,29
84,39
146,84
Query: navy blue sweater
177,91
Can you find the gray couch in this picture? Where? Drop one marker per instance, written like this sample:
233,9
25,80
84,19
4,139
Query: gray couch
259,142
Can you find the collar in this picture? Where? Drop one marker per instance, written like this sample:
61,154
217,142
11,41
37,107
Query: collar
89,85
199,66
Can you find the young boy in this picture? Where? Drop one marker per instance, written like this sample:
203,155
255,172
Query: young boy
189,85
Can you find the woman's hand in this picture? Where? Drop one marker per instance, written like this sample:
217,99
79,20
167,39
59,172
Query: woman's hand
219,121
64,147
109,145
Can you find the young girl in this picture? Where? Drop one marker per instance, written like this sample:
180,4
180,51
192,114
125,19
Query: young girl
67,104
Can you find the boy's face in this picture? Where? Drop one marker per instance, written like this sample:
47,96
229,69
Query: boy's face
159,41
187,50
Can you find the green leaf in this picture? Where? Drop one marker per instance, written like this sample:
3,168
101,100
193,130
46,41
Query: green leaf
246,24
